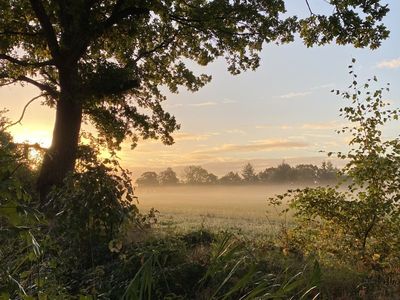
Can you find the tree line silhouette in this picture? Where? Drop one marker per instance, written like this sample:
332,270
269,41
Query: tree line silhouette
283,173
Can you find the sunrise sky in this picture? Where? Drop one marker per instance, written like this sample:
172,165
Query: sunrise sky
282,111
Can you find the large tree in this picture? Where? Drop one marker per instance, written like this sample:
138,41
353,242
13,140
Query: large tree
198,175
105,61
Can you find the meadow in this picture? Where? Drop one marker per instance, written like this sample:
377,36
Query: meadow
239,208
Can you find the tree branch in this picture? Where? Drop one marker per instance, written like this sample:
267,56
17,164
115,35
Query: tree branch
11,32
26,63
47,27
309,7
8,83
49,77
161,45
124,13
23,112
44,87
119,14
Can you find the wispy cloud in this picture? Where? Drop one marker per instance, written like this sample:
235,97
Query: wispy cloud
307,92
308,126
185,136
390,64
201,104
228,101
295,95
172,105
283,127
256,146
323,126
236,131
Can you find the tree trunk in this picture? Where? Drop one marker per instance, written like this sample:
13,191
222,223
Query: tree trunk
60,158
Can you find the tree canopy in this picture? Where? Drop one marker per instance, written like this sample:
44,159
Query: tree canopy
281,174
198,175
106,61
168,177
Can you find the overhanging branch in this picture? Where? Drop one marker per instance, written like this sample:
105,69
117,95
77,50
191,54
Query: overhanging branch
47,27
42,86
24,63
23,33
23,111
163,44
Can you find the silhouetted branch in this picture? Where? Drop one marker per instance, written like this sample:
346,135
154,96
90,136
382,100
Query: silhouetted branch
11,32
23,112
8,83
309,7
47,27
162,45
44,87
26,63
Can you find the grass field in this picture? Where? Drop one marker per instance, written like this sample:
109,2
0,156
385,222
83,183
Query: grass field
242,208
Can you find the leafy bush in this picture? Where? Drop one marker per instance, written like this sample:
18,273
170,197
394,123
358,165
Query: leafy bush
83,224
358,218
20,221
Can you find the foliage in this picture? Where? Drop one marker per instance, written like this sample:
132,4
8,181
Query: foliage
224,269
248,174
106,61
20,221
168,177
148,43
198,175
283,173
230,178
360,217
81,249
148,178
327,172
85,225
91,208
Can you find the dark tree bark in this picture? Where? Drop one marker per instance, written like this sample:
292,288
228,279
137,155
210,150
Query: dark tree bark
60,158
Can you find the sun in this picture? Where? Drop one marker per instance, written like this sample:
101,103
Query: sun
42,137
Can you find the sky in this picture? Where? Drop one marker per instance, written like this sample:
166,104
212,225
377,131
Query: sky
283,111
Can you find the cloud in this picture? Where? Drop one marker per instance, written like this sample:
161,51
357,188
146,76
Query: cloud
317,135
256,146
228,101
236,131
185,136
294,95
307,92
174,105
390,64
201,104
283,127
308,126
323,126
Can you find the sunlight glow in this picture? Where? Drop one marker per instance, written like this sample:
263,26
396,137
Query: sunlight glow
41,137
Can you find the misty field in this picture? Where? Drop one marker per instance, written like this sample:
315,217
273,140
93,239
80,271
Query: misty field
239,208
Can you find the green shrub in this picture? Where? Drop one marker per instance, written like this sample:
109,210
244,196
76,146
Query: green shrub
357,220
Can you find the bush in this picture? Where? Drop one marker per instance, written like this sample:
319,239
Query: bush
357,220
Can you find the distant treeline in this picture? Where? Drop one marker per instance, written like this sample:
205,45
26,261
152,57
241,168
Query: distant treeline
284,173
